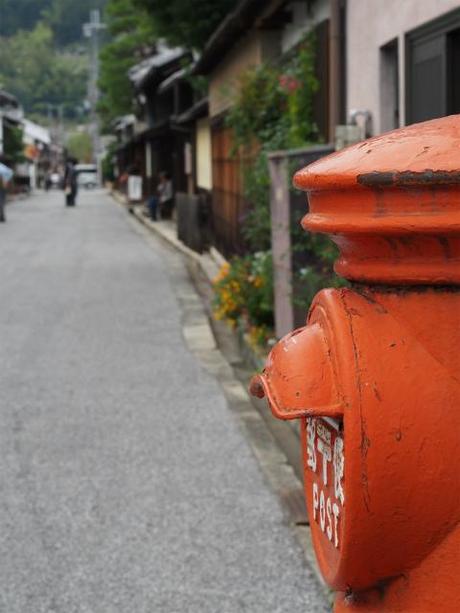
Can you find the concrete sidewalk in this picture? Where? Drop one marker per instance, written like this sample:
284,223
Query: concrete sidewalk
127,484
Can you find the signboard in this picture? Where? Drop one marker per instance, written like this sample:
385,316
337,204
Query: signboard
134,188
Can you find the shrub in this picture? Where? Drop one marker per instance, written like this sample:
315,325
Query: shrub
273,110
244,294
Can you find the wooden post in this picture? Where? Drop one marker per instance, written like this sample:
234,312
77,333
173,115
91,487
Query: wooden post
281,244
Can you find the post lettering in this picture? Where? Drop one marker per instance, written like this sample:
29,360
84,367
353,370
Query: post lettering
315,500
311,435
338,469
322,511
326,452
336,512
329,519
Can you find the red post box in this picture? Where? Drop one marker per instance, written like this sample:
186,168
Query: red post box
374,376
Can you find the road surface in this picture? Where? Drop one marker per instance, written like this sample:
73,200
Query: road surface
125,483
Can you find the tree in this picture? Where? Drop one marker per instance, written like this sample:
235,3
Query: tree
79,145
40,76
66,18
187,23
132,37
21,15
14,145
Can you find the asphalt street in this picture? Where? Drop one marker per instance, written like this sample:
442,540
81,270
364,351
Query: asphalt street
125,483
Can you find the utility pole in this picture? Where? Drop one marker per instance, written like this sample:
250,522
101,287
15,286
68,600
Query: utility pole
92,30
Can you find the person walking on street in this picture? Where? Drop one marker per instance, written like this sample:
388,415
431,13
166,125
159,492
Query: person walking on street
5,177
70,182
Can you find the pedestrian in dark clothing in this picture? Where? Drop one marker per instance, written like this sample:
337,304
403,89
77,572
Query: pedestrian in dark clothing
48,181
70,182
152,204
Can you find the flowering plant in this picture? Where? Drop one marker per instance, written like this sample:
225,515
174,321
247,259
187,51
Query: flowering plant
289,83
243,294
273,110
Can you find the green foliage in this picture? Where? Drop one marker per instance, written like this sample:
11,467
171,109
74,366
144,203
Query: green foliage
187,23
273,111
199,83
20,15
13,144
257,223
34,71
244,293
108,168
274,104
79,145
132,36
64,17
42,62
259,110
310,280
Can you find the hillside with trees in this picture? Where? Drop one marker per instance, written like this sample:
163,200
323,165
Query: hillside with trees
44,56
65,17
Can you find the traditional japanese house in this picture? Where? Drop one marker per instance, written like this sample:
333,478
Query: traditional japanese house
257,32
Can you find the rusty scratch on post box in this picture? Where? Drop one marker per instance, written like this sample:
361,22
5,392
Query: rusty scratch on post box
409,178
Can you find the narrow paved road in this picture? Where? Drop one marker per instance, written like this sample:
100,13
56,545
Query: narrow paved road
125,483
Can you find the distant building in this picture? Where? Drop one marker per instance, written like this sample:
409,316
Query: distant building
162,95
37,151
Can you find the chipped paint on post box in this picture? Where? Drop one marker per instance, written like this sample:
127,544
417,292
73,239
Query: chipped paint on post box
374,375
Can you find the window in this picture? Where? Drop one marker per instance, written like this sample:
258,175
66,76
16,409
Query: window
453,67
433,69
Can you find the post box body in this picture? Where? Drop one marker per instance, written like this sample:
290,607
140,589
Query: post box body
391,491
374,376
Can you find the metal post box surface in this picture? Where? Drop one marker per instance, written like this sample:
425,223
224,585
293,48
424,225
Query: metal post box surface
374,376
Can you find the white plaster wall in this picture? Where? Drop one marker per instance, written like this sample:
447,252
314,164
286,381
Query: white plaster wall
203,154
224,81
371,24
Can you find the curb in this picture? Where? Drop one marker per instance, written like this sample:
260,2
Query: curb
201,341
209,263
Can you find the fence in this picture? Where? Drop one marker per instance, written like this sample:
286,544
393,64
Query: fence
193,218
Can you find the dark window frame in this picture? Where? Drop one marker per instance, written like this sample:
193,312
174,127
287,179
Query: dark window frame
439,26
385,51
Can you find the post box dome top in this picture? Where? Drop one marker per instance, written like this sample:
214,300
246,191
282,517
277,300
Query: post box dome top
392,205
426,153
